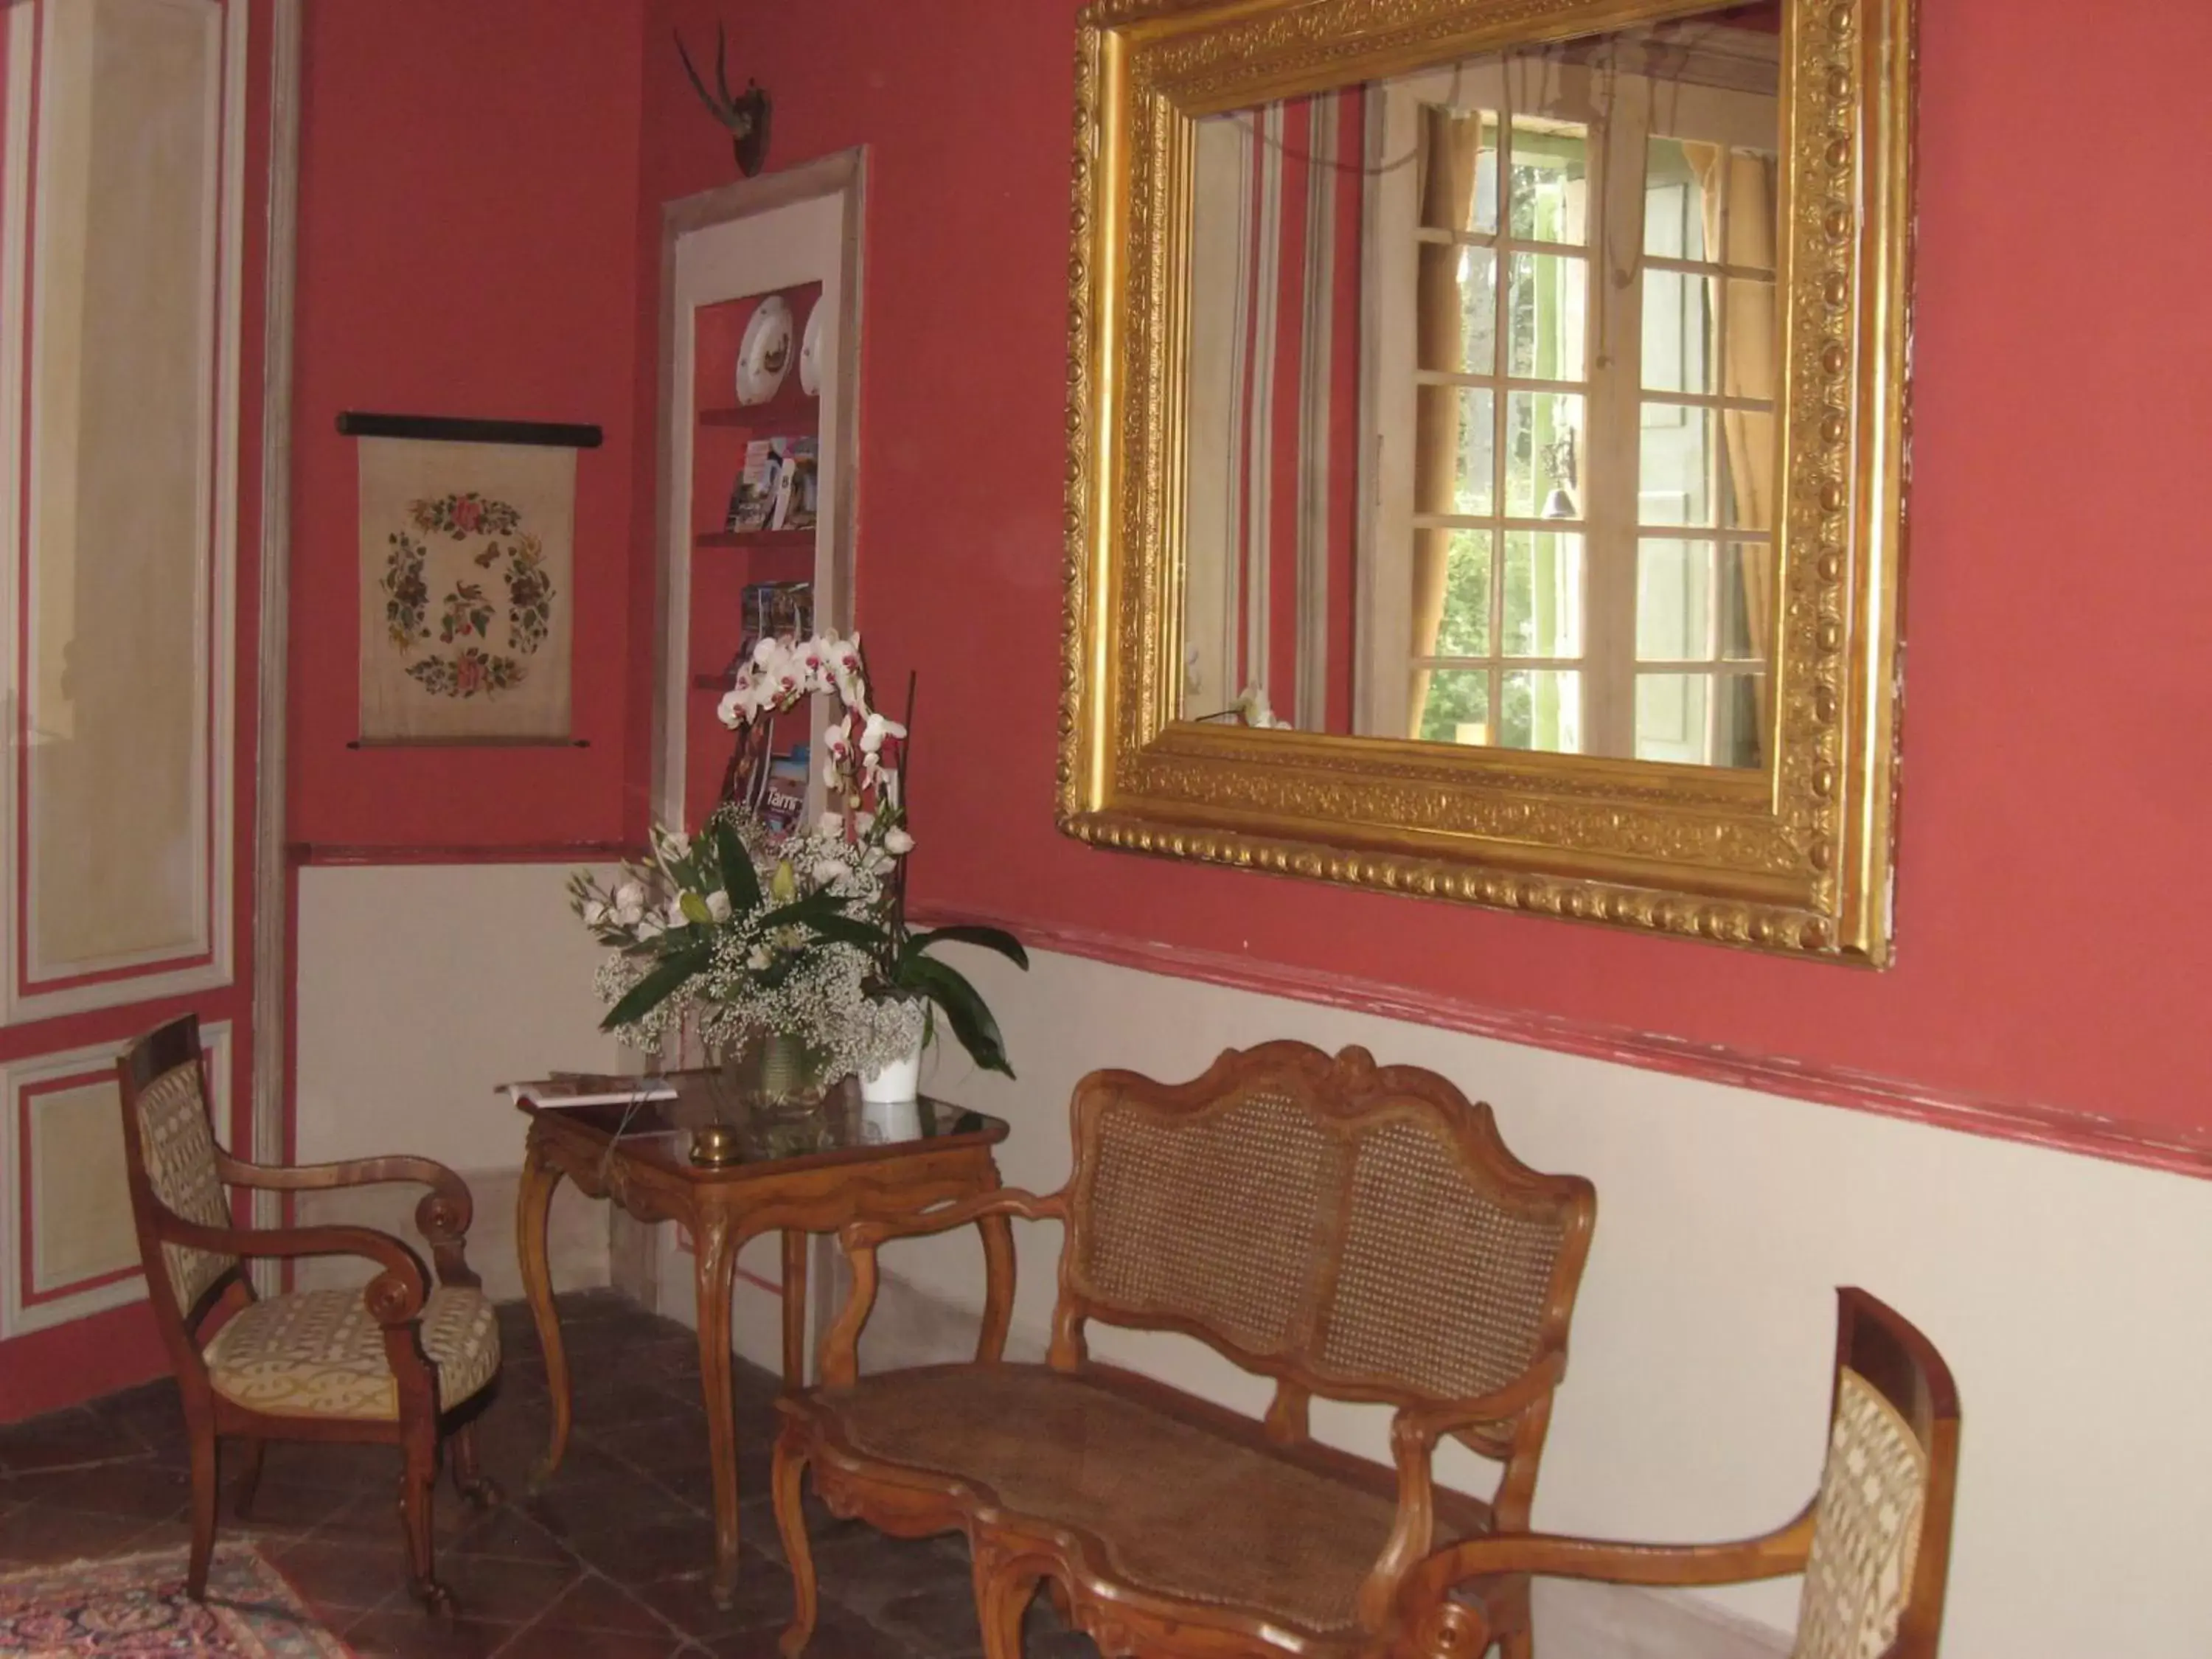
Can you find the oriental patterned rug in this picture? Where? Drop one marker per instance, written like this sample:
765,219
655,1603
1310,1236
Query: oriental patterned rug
136,1608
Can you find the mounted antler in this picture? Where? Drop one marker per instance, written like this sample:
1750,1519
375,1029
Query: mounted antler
745,114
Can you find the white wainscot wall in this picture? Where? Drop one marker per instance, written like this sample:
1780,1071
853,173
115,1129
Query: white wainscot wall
2069,1296
421,989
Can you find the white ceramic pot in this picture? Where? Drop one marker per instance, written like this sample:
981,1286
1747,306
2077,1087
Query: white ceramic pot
899,1081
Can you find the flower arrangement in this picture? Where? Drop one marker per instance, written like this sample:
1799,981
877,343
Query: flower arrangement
805,937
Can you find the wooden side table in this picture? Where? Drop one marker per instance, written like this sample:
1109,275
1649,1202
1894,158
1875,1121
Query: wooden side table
800,1175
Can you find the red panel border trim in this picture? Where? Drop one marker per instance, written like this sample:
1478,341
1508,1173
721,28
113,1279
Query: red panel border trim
2037,1126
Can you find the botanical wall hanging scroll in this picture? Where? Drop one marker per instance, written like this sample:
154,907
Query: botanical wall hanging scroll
467,590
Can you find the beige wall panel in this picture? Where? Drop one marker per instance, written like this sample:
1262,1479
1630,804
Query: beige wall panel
123,406
81,1225
421,989
63,1195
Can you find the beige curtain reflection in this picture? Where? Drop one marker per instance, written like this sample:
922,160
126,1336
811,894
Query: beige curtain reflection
1748,357
1451,145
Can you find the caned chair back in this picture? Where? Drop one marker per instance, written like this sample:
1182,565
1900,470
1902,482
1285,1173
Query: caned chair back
1882,1537
169,1148
1360,1231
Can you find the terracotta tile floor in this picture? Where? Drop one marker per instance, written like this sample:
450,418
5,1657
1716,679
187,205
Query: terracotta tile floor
608,1563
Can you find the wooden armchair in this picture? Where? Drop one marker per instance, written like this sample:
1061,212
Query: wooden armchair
386,1365
1875,1544
1351,1232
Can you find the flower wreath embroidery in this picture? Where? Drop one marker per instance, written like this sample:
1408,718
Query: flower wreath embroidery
466,613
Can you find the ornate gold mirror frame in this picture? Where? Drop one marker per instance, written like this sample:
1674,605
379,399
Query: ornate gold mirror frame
1795,857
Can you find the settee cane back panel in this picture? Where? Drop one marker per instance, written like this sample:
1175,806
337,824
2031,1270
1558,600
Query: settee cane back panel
1360,1231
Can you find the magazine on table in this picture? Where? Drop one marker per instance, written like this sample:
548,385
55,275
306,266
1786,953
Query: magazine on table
591,1089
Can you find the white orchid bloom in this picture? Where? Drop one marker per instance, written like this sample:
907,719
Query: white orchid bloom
596,915
731,710
814,657
898,843
718,906
877,730
846,675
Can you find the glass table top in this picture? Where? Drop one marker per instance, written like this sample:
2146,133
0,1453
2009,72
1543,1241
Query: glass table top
662,1128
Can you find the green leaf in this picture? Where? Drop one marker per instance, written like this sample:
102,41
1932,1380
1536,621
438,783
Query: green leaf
964,1011
740,879
847,930
656,987
809,912
990,938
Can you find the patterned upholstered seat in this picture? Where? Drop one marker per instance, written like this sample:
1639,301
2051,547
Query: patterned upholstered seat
1352,1232
388,1362
318,1353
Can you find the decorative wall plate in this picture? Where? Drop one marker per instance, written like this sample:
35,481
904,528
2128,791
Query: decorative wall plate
764,358
810,352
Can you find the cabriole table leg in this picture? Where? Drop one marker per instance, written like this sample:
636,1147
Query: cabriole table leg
533,1203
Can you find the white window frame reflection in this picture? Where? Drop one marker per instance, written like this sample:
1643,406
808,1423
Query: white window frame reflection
1694,705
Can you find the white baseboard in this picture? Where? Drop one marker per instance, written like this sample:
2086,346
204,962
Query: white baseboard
577,1236
908,1327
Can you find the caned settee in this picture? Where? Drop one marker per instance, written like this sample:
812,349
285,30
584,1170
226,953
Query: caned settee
1354,1232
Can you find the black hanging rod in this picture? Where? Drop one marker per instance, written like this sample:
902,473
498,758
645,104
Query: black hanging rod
554,434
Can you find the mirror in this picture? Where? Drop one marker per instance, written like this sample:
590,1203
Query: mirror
1487,451
1481,438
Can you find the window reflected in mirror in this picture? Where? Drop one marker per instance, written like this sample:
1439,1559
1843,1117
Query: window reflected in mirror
1481,439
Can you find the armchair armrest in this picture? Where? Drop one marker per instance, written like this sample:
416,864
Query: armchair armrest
987,1211
395,1297
1434,1627
443,1216
1414,1432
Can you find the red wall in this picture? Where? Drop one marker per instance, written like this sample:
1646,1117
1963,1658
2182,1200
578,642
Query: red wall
2055,941
469,205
